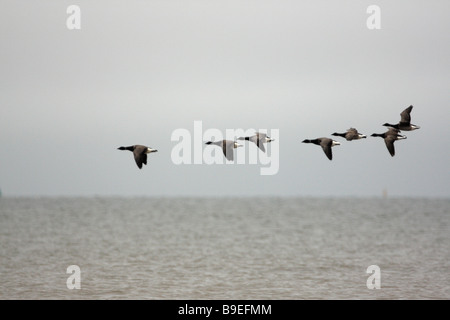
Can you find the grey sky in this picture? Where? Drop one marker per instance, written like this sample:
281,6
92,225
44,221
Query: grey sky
138,70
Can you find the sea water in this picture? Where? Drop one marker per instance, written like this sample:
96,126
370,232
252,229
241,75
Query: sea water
224,248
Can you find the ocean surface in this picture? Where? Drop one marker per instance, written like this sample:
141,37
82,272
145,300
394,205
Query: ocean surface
224,248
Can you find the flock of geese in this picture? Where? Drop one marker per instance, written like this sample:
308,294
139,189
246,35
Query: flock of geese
390,136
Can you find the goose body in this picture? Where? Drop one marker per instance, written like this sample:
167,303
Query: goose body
351,134
140,153
259,139
390,137
405,121
325,143
227,147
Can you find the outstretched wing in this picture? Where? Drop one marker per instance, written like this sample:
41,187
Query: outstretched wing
328,152
141,157
406,116
260,143
228,150
260,138
389,140
326,146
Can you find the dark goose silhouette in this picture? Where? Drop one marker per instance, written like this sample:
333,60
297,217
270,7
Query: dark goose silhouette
325,143
351,134
140,153
405,121
227,147
259,139
390,137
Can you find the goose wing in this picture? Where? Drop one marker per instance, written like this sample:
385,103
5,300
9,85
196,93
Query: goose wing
405,116
140,156
326,146
227,148
389,140
260,143
261,138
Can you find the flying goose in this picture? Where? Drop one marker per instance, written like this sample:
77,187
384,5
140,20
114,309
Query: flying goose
227,147
405,121
140,153
351,134
325,143
259,139
390,137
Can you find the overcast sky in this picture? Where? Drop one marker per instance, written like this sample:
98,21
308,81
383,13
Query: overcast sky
137,71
